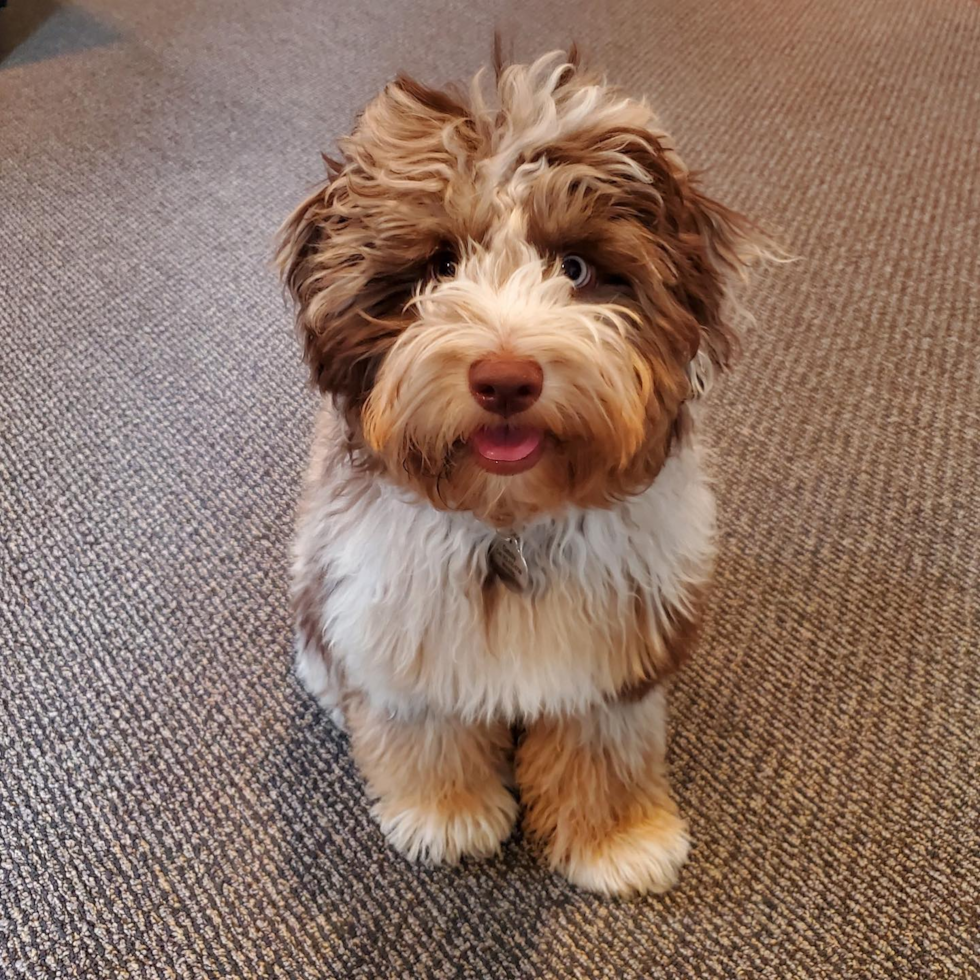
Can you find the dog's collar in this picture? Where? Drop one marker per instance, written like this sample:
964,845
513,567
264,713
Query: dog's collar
506,561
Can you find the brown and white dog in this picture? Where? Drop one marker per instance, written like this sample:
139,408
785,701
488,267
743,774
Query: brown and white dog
514,303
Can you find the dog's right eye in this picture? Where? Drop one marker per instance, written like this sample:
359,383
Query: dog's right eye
444,264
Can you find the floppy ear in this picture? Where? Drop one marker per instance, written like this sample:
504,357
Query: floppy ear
703,250
320,288
299,232
351,253
719,248
348,298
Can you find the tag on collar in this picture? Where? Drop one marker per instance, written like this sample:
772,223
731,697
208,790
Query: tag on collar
506,559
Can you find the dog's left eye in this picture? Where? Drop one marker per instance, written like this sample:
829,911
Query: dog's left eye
578,270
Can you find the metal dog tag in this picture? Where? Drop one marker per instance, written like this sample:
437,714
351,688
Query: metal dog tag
506,559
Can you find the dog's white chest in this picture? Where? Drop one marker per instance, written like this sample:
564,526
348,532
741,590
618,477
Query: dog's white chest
408,614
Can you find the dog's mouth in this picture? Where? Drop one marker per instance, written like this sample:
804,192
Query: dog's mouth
507,449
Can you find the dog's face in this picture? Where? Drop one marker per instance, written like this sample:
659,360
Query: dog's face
511,304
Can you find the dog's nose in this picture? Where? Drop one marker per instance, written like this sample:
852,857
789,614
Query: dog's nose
506,385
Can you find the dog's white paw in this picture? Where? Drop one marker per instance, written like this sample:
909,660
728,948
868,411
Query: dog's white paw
314,673
647,857
442,832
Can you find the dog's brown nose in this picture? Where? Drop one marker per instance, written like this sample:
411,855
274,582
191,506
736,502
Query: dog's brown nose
506,385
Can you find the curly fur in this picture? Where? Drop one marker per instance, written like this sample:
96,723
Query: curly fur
397,613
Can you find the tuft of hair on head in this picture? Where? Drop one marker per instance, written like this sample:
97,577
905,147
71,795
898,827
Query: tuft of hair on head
501,60
497,58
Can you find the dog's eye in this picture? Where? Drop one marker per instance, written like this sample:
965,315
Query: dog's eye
578,270
444,264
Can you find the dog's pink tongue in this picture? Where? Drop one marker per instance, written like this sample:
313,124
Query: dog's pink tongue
506,443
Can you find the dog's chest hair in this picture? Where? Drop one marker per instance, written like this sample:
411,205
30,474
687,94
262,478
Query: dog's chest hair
404,609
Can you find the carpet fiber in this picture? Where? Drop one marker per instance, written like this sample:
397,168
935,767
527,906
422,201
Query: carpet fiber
171,805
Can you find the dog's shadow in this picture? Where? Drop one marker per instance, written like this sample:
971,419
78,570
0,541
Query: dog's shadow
377,913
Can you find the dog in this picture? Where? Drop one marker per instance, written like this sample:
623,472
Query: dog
513,301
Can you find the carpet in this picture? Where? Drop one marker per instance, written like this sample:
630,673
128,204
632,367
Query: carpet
172,806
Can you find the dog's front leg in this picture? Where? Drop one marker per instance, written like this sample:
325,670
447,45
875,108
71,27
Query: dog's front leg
439,785
596,795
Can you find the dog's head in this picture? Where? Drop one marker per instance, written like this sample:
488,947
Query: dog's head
512,301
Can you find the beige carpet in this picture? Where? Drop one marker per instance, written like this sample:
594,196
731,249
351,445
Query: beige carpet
172,806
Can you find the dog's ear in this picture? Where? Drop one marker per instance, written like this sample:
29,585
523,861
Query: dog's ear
308,280
343,296
299,236
716,249
351,253
707,247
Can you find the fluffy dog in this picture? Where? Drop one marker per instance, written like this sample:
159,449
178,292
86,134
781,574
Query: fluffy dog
512,303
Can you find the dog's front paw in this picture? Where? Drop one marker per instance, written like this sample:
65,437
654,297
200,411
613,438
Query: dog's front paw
644,857
442,831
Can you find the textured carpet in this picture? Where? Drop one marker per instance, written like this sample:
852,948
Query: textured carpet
172,806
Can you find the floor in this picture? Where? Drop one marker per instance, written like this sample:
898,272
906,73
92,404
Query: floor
171,805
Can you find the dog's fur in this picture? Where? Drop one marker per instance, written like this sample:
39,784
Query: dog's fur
436,243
